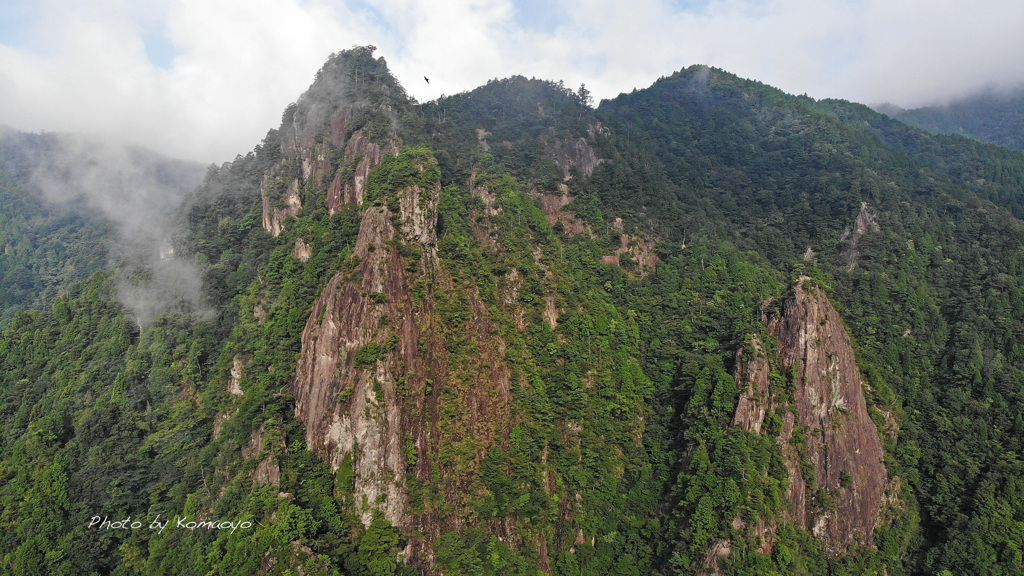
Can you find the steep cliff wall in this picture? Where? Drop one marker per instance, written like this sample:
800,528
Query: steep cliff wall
555,211
374,385
345,162
275,211
755,397
578,153
360,158
830,445
360,344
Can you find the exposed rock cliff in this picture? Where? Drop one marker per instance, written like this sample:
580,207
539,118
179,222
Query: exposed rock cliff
237,370
275,211
840,502
360,343
374,363
265,445
554,207
578,153
755,397
635,253
323,140
361,157
867,221
302,251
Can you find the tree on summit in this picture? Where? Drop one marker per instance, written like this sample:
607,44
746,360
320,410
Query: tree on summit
583,96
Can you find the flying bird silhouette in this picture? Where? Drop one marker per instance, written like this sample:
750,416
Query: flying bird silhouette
427,79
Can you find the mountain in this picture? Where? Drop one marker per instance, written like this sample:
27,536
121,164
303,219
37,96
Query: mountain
71,204
705,328
989,117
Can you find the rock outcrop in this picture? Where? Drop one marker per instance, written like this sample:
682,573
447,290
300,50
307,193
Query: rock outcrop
867,221
237,370
578,153
360,341
755,398
634,254
554,206
841,444
374,363
302,251
361,157
275,212
264,444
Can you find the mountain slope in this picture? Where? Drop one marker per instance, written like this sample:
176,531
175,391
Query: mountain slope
707,327
995,118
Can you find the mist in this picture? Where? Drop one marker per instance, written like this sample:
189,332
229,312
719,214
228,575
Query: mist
137,192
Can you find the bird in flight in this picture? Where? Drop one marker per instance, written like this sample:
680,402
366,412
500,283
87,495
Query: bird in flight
427,79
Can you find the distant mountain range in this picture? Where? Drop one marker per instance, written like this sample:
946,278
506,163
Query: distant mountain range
990,117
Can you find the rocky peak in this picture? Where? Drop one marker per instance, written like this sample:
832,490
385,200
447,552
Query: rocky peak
337,133
351,84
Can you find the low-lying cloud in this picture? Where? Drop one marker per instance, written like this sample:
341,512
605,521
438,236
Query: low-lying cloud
102,66
136,191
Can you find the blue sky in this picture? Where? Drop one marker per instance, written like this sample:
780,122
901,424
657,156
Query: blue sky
205,79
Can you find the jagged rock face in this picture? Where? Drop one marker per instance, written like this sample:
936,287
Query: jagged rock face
316,163
841,441
350,190
374,363
316,130
360,340
274,216
832,411
755,400
576,154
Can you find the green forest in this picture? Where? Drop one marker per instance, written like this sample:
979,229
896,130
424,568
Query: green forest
538,317
992,116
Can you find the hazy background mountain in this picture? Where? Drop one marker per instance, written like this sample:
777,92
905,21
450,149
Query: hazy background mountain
72,205
991,116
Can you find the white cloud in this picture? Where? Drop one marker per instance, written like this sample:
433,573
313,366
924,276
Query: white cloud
239,63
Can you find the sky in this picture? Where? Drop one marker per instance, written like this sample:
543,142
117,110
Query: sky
205,79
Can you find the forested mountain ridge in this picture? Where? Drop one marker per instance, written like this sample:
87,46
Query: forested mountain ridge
989,117
707,327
